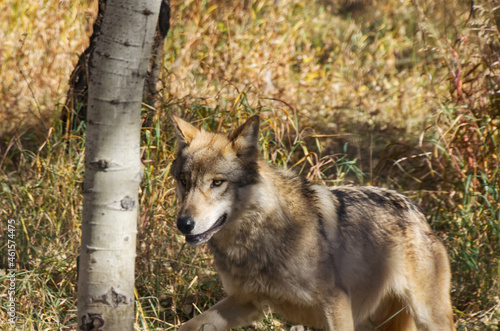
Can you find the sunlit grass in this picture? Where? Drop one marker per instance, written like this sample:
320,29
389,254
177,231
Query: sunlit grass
41,41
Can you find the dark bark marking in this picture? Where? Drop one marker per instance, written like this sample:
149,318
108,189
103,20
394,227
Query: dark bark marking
111,298
92,322
164,18
101,164
127,203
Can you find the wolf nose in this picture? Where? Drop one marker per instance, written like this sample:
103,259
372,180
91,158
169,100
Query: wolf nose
185,224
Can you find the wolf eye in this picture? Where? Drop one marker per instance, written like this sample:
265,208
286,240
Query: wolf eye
183,181
216,182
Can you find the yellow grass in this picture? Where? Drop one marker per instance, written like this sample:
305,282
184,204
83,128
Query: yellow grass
41,41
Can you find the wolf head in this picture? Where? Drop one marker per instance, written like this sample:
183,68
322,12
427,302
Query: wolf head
214,173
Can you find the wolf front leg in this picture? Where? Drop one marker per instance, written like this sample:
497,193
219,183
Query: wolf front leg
338,312
225,314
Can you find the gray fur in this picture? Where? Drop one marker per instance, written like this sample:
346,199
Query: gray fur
344,258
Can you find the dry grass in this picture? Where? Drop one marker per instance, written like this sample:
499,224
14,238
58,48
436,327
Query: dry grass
41,41
399,94
324,64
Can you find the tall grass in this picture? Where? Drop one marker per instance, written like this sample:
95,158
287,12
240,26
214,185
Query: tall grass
465,160
395,94
41,41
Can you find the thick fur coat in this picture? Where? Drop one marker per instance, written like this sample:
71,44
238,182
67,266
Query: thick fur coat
340,258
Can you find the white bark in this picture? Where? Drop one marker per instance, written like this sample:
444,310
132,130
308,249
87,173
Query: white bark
112,165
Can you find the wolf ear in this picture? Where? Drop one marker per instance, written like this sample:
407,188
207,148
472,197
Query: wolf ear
185,131
246,137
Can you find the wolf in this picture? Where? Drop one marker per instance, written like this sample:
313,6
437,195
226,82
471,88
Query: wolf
341,258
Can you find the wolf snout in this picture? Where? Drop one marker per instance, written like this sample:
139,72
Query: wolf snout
185,224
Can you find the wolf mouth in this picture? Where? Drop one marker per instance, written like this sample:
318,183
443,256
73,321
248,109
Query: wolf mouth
198,239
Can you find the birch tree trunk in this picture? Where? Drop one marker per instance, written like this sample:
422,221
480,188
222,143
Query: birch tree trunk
112,165
74,111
